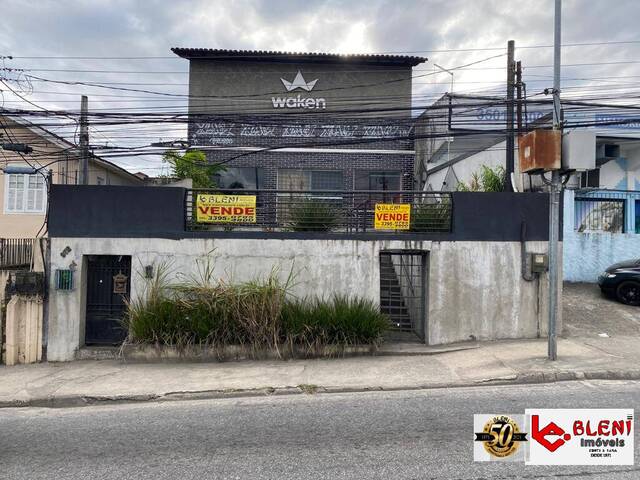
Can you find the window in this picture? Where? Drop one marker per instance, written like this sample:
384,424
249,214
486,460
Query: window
99,181
377,180
246,178
290,179
24,193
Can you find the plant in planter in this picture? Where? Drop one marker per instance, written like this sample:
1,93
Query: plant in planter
312,215
431,217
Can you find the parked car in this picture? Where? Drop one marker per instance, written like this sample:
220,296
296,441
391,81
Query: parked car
622,281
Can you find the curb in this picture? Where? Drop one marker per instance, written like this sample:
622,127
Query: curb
535,377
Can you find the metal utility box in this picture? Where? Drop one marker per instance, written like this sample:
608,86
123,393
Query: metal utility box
579,150
539,262
540,151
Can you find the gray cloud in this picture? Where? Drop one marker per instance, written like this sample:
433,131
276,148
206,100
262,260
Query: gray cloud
150,28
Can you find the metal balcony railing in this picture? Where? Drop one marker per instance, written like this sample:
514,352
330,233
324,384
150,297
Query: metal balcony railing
318,211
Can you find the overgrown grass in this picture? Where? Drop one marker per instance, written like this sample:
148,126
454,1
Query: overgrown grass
311,324
258,315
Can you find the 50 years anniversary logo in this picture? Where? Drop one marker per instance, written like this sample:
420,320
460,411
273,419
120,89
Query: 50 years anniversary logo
556,437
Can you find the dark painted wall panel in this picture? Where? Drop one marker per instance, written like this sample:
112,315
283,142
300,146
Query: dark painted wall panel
498,216
158,212
114,211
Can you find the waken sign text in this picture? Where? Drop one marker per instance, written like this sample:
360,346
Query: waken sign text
299,101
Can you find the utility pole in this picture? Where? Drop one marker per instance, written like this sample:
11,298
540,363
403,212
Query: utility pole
510,111
554,194
519,96
84,141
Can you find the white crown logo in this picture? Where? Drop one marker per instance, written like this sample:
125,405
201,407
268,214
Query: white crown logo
298,82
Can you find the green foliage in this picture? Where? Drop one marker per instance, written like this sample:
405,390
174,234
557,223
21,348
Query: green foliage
256,314
311,215
193,164
431,217
313,323
488,180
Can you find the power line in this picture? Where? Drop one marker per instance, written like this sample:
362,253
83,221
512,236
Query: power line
444,50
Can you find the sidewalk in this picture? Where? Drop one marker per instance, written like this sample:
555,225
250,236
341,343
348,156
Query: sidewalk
519,361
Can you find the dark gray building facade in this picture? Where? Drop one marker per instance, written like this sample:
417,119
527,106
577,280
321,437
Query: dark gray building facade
303,121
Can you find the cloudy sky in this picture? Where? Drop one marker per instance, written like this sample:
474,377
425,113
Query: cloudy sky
42,36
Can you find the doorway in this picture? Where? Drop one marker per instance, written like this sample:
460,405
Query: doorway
108,289
403,293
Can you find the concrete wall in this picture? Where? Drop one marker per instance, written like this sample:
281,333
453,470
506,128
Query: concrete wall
588,254
476,292
475,289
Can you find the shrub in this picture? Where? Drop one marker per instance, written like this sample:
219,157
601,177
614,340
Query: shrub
488,180
255,314
341,321
312,215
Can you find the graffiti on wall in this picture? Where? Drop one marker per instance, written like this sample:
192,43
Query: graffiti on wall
220,133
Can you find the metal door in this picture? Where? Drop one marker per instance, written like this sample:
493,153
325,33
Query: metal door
403,275
108,288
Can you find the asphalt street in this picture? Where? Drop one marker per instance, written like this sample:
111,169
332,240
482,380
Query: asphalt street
390,435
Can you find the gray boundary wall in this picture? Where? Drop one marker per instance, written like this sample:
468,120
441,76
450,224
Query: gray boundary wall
475,289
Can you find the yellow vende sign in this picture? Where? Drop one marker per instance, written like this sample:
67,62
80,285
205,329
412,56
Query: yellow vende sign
226,208
392,216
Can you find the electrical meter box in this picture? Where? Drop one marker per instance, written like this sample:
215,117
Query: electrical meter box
539,262
539,151
579,150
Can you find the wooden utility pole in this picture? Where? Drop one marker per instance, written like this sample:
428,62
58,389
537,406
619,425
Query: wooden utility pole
510,151
519,96
84,141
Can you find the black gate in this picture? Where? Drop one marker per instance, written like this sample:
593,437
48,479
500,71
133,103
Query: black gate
108,287
403,279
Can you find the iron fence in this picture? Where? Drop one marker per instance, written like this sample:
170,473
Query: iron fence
318,211
15,252
610,211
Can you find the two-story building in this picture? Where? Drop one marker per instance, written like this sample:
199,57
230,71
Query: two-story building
303,121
